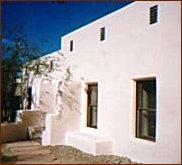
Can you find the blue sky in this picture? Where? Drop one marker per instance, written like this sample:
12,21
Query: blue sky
46,22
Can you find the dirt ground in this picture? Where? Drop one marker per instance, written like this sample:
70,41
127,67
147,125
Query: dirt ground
31,152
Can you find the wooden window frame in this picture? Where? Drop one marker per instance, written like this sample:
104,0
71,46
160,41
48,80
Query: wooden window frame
89,114
139,112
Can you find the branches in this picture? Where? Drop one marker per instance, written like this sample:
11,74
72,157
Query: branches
16,50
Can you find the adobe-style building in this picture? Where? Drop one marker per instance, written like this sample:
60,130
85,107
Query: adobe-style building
123,94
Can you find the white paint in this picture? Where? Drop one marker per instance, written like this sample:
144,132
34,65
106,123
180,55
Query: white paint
57,124
133,49
11,132
89,143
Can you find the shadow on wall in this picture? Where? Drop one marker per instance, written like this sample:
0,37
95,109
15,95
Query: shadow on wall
68,115
22,129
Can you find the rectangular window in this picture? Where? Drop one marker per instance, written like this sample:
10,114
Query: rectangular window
102,34
146,109
37,69
26,71
51,65
154,14
29,97
92,96
71,45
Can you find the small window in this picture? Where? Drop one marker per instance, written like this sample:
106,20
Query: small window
146,109
102,34
92,105
37,69
71,45
29,93
51,65
26,71
154,14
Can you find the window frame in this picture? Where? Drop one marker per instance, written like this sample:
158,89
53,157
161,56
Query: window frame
139,113
153,14
71,45
89,114
51,64
102,33
29,93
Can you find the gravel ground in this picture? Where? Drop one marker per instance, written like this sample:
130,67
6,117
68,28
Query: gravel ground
31,152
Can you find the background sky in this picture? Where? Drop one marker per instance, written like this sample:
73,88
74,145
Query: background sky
46,22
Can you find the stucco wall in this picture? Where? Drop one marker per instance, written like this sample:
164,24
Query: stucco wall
47,97
133,49
13,132
67,119
31,118
19,130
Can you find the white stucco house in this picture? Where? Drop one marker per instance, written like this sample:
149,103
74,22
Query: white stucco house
123,94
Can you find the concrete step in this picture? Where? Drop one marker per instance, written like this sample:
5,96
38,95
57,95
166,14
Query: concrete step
35,132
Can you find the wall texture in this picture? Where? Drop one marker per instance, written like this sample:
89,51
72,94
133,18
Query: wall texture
13,132
133,49
67,119
19,130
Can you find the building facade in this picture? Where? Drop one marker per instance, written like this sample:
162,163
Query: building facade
126,83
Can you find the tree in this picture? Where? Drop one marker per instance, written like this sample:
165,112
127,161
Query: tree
16,50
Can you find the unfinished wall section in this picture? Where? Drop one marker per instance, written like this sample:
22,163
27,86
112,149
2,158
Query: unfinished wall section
28,125
68,119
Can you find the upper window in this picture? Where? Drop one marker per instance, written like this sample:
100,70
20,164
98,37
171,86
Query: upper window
51,65
26,70
146,109
71,45
92,95
102,34
37,69
153,14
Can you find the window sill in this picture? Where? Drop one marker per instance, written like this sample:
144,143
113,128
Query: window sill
94,127
143,141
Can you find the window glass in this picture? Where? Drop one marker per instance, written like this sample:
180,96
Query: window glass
92,97
146,109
